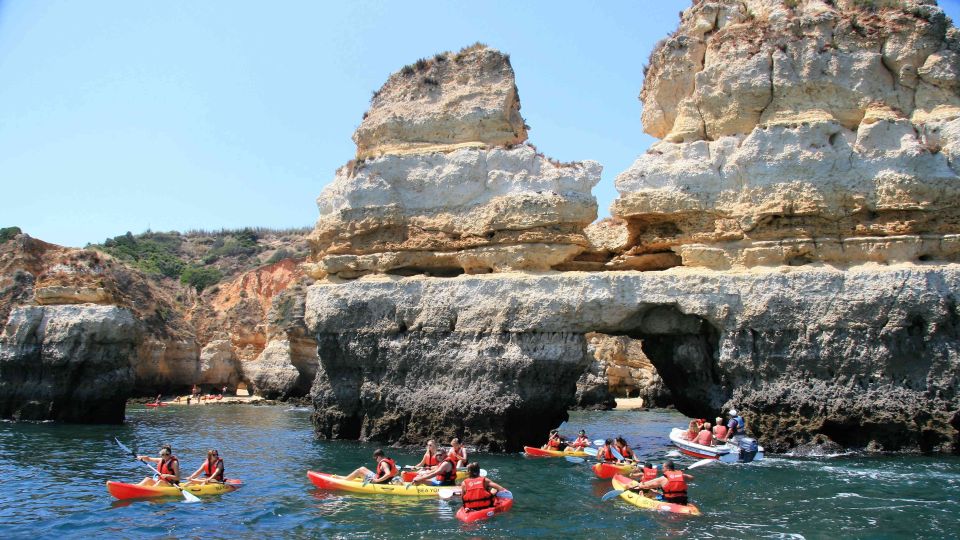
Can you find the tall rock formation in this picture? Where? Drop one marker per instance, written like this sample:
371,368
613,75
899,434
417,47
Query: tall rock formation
822,132
444,184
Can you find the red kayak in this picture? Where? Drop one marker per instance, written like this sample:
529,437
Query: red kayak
503,502
155,404
609,470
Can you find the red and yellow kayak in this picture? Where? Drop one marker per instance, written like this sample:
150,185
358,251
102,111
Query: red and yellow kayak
408,476
501,504
122,491
539,452
609,470
335,482
638,500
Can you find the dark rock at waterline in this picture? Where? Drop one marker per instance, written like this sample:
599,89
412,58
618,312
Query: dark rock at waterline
868,359
69,363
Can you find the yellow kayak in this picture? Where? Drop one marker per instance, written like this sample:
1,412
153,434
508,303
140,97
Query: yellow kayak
121,490
638,500
335,482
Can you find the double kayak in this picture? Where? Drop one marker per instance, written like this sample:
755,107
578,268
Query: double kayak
156,404
122,491
609,470
502,503
638,500
540,452
408,476
335,482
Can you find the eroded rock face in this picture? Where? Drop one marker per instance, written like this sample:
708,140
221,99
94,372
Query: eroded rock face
823,133
865,358
72,363
619,368
444,185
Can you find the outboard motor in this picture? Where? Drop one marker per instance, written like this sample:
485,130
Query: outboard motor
748,449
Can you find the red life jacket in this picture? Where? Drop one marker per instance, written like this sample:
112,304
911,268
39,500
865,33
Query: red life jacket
210,468
704,438
581,442
449,476
430,461
720,432
553,443
608,454
454,455
649,474
676,486
166,467
393,468
475,495
626,452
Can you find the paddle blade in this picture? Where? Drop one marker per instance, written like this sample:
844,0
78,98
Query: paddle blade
616,454
592,451
446,493
124,448
673,453
483,472
574,459
598,442
189,497
701,463
504,494
611,494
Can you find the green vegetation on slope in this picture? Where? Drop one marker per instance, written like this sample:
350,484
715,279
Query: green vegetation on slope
8,233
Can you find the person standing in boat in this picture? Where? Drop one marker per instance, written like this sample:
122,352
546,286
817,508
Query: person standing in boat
673,483
168,467
385,468
458,452
478,492
736,426
212,468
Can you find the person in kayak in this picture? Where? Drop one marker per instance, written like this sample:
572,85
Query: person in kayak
705,437
581,441
719,430
458,452
555,442
621,445
429,459
167,465
478,492
736,425
385,468
645,473
605,452
445,472
673,483
212,468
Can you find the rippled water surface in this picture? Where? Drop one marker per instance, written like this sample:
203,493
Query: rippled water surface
54,477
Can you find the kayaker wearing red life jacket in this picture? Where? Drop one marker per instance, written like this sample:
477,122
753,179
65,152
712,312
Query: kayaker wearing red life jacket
429,460
581,442
478,492
646,473
386,469
212,468
445,472
458,453
605,452
167,465
555,442
624,449
673,483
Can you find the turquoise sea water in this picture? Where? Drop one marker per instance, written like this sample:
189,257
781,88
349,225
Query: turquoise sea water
54,477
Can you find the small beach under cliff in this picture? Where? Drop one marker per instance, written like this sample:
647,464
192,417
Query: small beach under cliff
55,476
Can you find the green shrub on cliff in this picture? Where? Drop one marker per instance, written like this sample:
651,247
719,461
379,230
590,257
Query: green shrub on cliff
153,253
200,277
8,233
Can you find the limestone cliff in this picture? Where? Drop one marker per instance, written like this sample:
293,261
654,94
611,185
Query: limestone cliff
822,132
443,182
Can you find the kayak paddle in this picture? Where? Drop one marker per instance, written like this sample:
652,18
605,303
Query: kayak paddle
574,459
592,451
598,442
611,494
701,463
616,454
187,496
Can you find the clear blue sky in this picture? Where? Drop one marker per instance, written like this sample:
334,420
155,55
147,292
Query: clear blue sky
127,115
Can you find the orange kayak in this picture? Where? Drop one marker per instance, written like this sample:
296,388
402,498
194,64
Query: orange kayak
122,490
